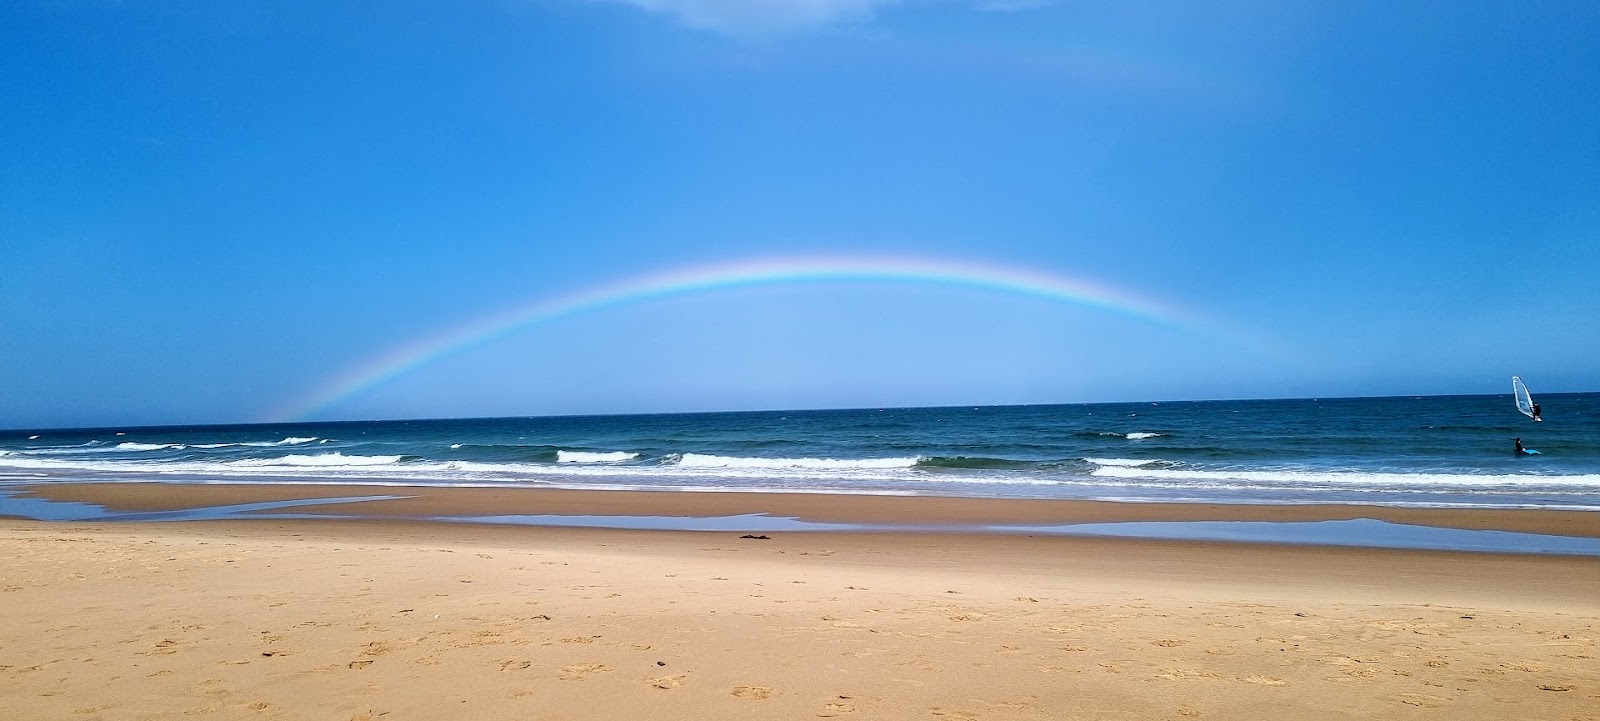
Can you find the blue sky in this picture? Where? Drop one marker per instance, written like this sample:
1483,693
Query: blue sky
208,210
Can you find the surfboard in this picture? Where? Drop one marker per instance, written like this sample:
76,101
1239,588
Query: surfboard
1524,400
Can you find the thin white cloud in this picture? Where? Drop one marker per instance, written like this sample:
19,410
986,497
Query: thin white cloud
756,17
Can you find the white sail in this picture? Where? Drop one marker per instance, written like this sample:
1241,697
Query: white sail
1520,391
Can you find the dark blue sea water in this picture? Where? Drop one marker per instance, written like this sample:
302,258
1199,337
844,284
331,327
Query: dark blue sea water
1431,451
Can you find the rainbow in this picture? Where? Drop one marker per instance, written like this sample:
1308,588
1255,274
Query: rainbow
423,351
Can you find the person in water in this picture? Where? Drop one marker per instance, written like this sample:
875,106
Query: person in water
1520,450
1536,412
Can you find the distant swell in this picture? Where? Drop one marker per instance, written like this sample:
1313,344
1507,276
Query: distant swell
698,460
975,462
506,453
290,441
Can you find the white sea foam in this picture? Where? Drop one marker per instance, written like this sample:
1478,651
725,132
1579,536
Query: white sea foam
454,446
822,475
699,460
336,465
590,457
90,447
792,473
149,446
1361,478
1141,436
321,460
1126,462
977,480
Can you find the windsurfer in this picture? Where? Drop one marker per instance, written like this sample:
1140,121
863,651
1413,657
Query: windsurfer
1536,412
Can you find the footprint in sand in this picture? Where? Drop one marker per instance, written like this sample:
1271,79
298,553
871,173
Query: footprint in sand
1169,643
582,671
836,708
1264,681
1184,673
753,693
375,649
163,648
1422,700
666,682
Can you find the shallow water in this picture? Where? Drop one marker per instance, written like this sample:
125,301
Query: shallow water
41,509
1362,532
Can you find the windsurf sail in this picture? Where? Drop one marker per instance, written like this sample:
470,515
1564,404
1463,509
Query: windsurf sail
1520,392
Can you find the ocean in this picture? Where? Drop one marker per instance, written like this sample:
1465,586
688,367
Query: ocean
1433,451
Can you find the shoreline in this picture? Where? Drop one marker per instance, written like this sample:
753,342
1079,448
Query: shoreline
422,502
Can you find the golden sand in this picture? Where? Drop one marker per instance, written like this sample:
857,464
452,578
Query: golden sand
381,618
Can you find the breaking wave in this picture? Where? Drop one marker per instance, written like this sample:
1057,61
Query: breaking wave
592,457
323,460
1124,462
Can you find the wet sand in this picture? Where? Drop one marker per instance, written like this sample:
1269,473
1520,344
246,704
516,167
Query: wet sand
423,502
387,618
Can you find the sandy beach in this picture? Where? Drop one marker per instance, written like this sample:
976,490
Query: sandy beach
387,618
